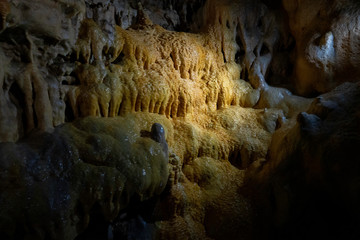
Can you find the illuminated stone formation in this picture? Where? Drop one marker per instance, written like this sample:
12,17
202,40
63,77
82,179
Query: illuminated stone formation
171,119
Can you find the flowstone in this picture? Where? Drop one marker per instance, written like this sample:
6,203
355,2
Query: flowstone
52,182
159,114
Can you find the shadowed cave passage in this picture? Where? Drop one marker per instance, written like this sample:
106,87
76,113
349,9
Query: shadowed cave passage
196,119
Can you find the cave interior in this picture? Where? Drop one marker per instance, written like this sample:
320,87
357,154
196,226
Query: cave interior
193,119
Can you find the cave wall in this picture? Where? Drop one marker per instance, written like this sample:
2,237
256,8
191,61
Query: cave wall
310,188
228,84
88,62
327,44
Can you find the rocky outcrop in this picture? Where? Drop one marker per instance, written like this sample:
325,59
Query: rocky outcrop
52,184
90,63
310,188
327,43
98,96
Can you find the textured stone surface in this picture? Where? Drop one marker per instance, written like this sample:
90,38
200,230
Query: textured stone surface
310,189
88,87
52,182
327,43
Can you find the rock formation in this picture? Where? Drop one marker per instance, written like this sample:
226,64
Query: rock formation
52,182
174,119
310,189
327,43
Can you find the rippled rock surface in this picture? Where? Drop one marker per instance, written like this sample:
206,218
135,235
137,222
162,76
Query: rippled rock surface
151,119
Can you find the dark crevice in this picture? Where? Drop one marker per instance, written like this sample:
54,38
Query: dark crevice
288,44
235,158
69,113
218,103
200,152
168,108
264,50
77,81
4,87
223,53
135,221
65,82
98,226
111,103
272,79
33,107
78,109
145,134
278,123
244,74
117,17
82,59
35,120
171,110
120,108
292,44
79,211
189,13
240,54
319,41
186,12
173,60
255,51
119,59
52,41
18,98
101,111
138,104
72,57
259,24
313,94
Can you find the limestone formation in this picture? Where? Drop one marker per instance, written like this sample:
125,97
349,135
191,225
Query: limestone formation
52,182
312,184
172,119
327,42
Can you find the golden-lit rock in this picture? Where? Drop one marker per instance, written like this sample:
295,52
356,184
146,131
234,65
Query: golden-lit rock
154,119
